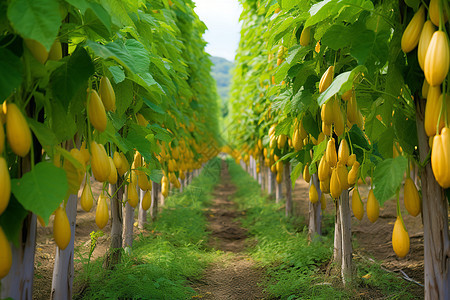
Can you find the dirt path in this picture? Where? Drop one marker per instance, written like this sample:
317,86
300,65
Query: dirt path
233,275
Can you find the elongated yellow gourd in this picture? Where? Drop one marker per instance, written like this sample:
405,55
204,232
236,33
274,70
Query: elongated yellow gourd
411,198
107,94
437,59
313,195
61,228
373,207
102,212
324,169
353,174
411,35
327,79
400,239
5,184
86,200
331,154
55,51
433,11
306,175
147,200
305,36
133,197
357,205
351,160
424,40
342,176
17,131
323,202
37,50
425,89
344,152
112,178
432,110
99,162
440,158
335,188
5,255
325,186
97,113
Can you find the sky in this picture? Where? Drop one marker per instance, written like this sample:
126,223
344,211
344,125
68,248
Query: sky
222,19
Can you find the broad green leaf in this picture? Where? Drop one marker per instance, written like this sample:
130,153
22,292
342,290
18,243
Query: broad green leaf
311,125
295,173
336,37
406,131
161,133
11,220
413,3
118,74
96,8
11,74
386,143
136,139
45,135
71,76
36,19
42,189
124,96
388,177
62,122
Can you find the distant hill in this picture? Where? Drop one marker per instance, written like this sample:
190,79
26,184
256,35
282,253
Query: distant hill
221,72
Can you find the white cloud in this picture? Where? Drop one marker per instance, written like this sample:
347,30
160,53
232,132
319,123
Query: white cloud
222,19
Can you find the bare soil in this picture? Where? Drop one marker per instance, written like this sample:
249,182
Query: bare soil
234,275
374,241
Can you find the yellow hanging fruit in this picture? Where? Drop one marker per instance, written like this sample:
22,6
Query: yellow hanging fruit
112,178
432,111
347,95
85,152
326,129
353,174
99,162
297,141
437,59
313,195
335,188
317,48
86,200
411,35
133,197
323,203
102,212
324,169
342,176
37,50
117,161
344,152
5,255
61,228
411,197
326,112
327,79
425,38
97,113
281,141
5,183
17,131
352,110
143,181
357,205
331,155
165,189
306,175
339,125
305,36
325,186
351,160
440,158
147,200
400,239
433,11
55,51
373,207
107,94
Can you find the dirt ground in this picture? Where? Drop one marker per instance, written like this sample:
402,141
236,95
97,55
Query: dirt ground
234,276
374,241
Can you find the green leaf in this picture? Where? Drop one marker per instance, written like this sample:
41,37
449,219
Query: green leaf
118,74
336,37
62,122
161,133
136,138
124,96
406,131
44,134
42,189
386,143
295,173
311,125
388,177
343,82
11,74
68,78
413,3
318,151
36,19
11,220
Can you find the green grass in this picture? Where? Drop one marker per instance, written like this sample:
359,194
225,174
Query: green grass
161,263
296,268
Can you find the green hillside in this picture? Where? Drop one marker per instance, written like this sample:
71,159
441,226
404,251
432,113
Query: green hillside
221,72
